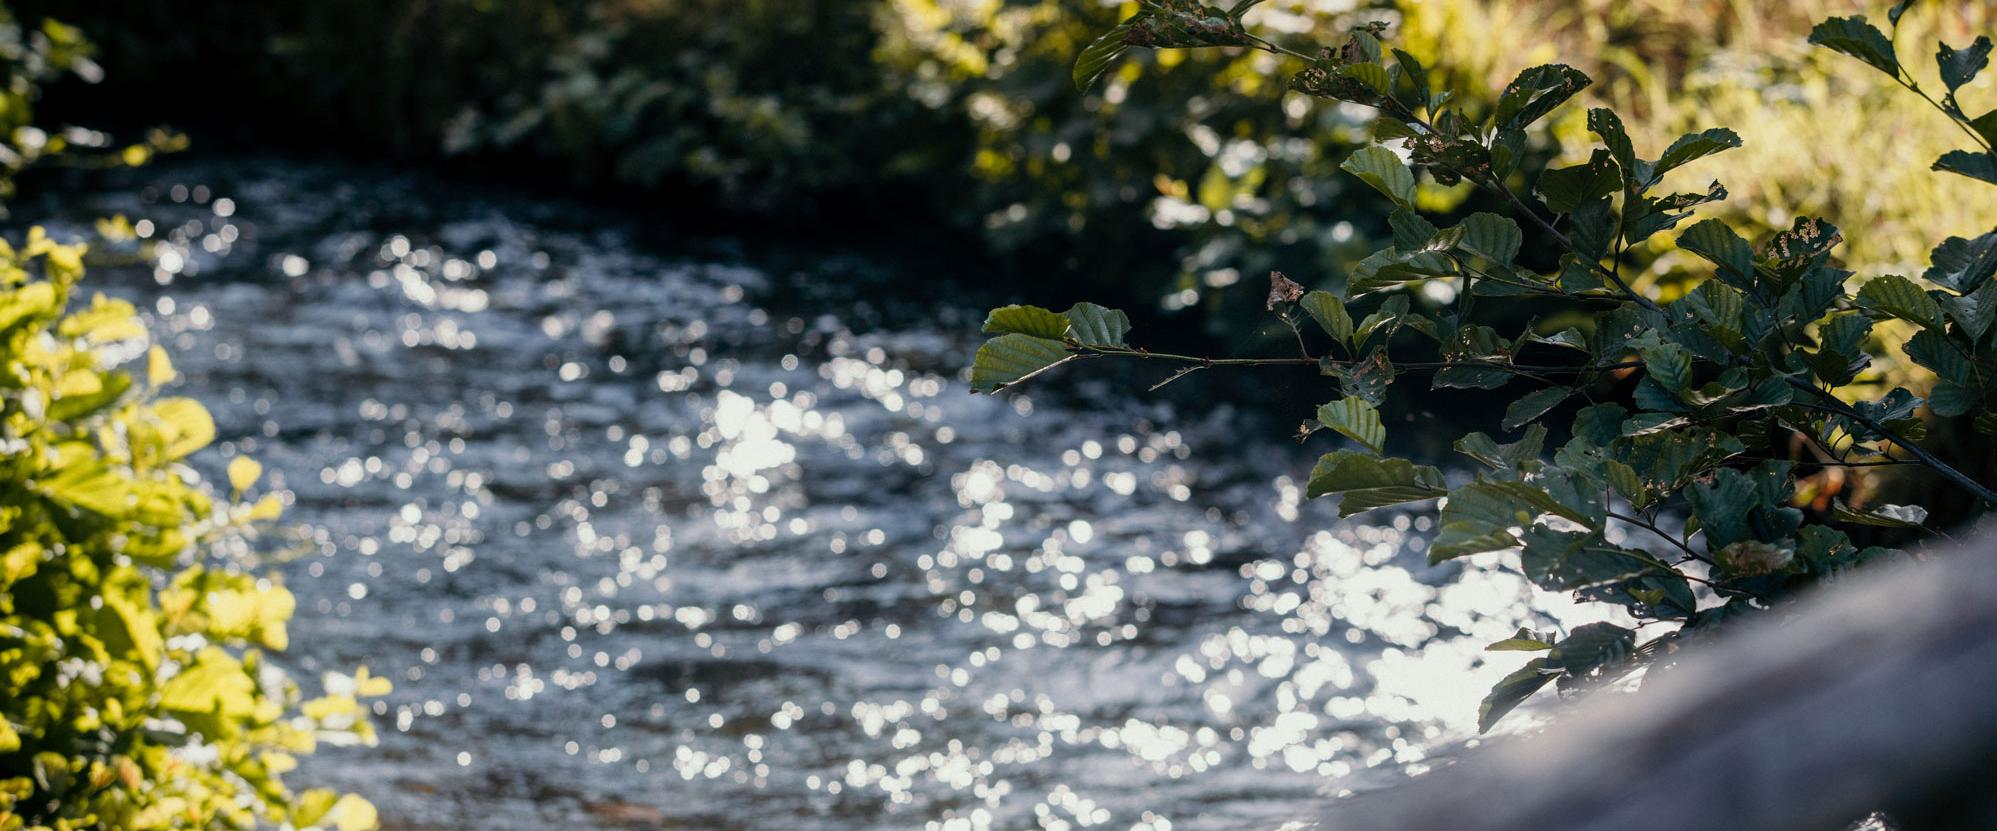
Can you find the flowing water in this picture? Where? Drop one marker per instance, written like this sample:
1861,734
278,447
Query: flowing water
671,534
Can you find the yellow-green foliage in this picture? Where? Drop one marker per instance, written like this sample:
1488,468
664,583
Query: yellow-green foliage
134,688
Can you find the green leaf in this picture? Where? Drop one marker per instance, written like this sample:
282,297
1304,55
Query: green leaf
1695,146
185,426
1974,165
1533,405
1480,517
1985,125
1571,560
1722,507
131,629
1949,399
1379,167
1386,318
1975,312
1518,456
1329,312
1855,37
1892,295
1026,320
1093,325
1416,75
215,684
1623,478
1884,516
1372,75
1355,419
1535,92
1959,66
1594,228
1668,364
1513,691
1525,640
1367,482
1100,53
1490,236
1807,239
1009,359
1411,231
1963,265
1932,349
1605,123
1565,188
1591,647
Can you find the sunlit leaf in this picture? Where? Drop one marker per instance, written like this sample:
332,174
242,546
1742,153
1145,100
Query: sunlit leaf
1884,516
1009,359
1366,481
1355,419
1892,295
1330,314
1379,167
1095,325
1026,320
243,472
1100,53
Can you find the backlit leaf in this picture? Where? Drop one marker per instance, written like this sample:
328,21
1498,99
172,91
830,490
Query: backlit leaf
1367,482
1095,325
1009,359
1329,312
1379,167
1894,296
1355,419
1100,53
1026,320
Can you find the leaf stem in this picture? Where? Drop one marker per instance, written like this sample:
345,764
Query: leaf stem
1652,528
1838,407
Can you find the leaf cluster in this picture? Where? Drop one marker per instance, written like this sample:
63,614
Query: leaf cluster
1682,488
135,687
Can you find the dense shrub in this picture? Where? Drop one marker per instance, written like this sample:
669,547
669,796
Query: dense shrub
134,688
135,692
1686,487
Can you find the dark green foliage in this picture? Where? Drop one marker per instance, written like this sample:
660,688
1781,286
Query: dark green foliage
1692,391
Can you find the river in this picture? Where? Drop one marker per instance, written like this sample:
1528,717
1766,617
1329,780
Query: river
663,533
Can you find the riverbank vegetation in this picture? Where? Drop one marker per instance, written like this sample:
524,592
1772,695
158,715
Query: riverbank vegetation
1669,449
137,688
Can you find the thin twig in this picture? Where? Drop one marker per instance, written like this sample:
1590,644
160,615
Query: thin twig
1838,407
1652,528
